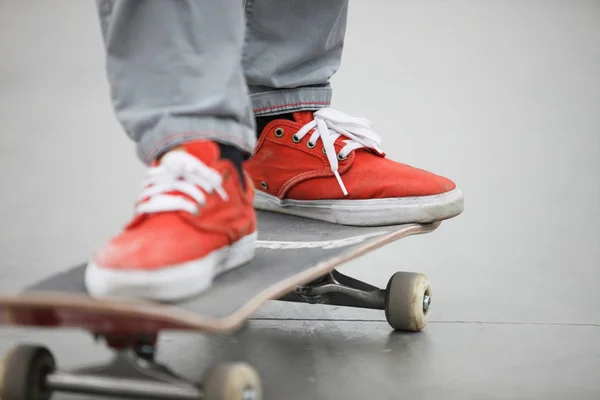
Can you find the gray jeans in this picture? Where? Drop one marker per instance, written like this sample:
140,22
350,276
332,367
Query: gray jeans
182,70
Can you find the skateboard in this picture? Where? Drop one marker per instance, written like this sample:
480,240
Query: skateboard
296,260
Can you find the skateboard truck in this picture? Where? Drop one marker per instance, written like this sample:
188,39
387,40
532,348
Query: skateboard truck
127,375
406,299
336,288
30,373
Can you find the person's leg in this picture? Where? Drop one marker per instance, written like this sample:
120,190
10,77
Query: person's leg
178,89
175,74
292,50
323,164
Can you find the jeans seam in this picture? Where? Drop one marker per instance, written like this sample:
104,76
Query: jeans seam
302,103
154,151
248,9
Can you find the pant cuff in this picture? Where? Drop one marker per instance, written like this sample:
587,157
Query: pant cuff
290,100
175,132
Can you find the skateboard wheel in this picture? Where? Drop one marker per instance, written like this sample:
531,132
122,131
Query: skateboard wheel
407,301
23,373
232,381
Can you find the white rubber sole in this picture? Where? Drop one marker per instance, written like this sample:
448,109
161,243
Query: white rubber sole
373,212
172,283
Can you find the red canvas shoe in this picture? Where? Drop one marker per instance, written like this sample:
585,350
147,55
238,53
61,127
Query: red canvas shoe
327,165
193,221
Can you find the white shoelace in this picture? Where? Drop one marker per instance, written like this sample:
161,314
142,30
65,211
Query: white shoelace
329,125
182,172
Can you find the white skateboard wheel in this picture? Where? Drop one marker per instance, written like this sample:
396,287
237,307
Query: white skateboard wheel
23,373
232,381
407,301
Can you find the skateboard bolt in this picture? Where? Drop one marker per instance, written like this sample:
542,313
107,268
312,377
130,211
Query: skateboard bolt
426,303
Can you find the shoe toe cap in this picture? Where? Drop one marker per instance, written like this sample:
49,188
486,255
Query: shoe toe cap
155,246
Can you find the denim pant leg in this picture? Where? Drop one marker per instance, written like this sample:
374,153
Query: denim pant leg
292,49
175,72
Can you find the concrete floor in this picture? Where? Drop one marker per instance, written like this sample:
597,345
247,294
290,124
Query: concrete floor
503,97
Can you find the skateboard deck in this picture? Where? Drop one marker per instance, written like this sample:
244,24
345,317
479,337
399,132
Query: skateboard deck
291,252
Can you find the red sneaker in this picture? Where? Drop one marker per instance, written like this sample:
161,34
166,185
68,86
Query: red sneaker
193,221
329,166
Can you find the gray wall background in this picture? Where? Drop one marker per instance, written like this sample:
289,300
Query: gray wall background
503,97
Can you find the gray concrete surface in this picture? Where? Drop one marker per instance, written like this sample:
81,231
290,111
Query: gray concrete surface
503,97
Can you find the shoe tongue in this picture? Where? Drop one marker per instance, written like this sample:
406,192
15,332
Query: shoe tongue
206,151
303,117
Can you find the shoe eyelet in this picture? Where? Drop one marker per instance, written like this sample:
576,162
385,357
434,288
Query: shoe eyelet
295,139
341,158
279,132
323,151
264,185
310,145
